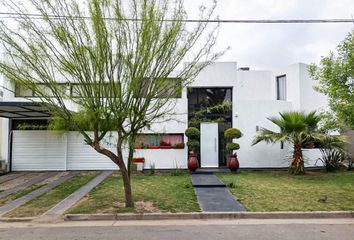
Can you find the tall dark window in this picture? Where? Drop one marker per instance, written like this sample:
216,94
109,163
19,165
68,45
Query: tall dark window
218,102
281,87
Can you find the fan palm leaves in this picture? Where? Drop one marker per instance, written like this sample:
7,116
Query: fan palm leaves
299,128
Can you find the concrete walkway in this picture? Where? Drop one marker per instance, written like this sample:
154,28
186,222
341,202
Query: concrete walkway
10,176
29,183
68,202
32,195
212,194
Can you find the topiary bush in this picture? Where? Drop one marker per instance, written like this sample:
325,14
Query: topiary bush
232,133
193,144
232,146
192,133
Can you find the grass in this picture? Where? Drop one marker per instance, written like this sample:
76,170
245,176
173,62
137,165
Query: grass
279,191
19,194
163,192
48,200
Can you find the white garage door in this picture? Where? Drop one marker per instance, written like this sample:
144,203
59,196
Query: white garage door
38,150
48,150
83,157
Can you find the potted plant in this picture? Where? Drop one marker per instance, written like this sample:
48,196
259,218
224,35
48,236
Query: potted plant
178,146
193,135
230,134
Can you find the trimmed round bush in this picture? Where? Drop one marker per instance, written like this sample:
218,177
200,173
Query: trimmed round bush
232,133
192,133
193,144
232,146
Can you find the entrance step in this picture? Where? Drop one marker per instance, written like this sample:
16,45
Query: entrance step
206,180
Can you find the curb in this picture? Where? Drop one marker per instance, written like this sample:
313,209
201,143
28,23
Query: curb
218,215
19,219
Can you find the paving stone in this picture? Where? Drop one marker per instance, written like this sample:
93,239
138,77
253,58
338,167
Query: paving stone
32,195
206,180
68,202
212,194
29,183
10,176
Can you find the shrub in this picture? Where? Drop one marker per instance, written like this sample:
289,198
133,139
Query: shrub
232,133
193,144
332,159
232,184
232,146
192,133
152,169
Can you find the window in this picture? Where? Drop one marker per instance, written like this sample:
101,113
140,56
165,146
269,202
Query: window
22,91
157,141
281,87
165,88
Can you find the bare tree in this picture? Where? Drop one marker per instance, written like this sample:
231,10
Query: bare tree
117,57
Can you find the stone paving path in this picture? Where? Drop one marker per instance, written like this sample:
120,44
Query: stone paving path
29,183
68,202
32,195
10,176
212,194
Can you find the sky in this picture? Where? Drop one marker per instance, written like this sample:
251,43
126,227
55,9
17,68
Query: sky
269,46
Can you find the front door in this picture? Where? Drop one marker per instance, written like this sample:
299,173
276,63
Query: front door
209,145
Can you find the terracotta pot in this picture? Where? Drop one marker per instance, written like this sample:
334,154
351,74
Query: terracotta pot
193,162
233,163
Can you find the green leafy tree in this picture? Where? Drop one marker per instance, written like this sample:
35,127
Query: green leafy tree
335,74
298,129
114,61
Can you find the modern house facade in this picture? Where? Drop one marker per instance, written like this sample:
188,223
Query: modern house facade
248,97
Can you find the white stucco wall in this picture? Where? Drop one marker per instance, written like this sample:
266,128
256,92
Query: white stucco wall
254,85
250,115
254,99
310,99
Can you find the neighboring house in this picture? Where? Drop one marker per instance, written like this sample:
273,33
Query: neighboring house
255,95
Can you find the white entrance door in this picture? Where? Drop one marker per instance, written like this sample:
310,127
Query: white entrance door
209,145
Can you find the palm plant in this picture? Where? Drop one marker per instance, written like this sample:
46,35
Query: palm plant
298,128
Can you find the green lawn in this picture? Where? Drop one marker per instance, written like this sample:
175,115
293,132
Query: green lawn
279,191
160,192
46,201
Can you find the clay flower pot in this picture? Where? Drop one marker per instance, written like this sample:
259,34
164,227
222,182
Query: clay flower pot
233,163
193,162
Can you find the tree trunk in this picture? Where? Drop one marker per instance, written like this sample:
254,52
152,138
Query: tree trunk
129,203
297,165
119,161
131,154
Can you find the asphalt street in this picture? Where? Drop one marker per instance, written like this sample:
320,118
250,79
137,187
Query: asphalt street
323,229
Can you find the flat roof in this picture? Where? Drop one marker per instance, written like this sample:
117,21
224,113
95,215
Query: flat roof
23,110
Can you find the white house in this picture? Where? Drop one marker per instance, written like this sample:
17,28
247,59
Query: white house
255,95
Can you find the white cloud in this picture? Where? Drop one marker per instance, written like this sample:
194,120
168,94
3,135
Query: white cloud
275,45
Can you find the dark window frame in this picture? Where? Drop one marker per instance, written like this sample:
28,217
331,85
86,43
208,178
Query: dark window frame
278,87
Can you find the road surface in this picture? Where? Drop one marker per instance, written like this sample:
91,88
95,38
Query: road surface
338,229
